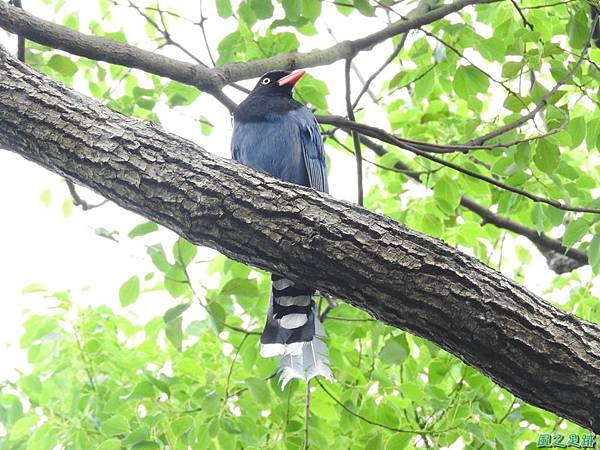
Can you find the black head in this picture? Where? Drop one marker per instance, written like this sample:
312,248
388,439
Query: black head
277,82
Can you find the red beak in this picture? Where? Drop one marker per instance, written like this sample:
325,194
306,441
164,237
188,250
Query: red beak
292,78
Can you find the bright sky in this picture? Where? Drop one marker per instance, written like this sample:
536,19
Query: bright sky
38,244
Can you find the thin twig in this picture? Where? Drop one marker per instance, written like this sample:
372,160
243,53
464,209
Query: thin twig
544,101
205,307
375,74
382,135
307,415
203,30
20,39
233,361
526,23
377,424
78,201
357,150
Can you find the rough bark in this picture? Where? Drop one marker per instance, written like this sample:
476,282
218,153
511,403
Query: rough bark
543,355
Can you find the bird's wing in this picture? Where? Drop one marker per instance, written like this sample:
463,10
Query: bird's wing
235,151
312,149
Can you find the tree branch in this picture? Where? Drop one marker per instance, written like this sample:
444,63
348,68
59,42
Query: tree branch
357,151
405,144
211,80
541,354
552,249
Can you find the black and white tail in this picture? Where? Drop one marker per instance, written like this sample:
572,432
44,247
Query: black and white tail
294,332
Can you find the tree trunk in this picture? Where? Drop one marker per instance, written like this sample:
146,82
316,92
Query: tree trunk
408,280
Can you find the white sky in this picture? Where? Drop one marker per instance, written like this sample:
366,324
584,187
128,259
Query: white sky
37,244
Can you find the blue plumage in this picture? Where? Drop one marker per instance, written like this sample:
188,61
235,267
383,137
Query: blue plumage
275,134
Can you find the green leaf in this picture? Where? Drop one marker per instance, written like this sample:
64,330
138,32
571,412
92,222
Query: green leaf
241,286
292,8
313,91
174,332
67,207
157,254
115,425
129,291
180,94
142,229
110,444
547,155
576,129
217,316
184,251
593,253
511,68
365,8
33,287
578,28
22,427
175,312
247,14
146,445
394,351
176,282
224,8
593,130
413,392
211,404
523,155
537,215
144,389
46,197
424,86
446,195
469,81
71,21
262,8
398,441
576,229
63,65
206,126
259,390
44,438
311,9
182,425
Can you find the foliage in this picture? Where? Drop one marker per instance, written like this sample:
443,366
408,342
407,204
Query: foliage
193,376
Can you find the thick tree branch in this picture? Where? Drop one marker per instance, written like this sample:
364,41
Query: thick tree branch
544,355
210,80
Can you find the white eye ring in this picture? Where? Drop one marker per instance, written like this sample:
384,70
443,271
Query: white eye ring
265,81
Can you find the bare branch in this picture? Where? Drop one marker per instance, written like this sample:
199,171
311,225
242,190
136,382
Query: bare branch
357,152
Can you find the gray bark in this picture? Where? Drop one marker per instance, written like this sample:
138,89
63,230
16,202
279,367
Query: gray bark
408,280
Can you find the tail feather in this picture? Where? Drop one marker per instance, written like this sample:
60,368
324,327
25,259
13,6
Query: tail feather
294,333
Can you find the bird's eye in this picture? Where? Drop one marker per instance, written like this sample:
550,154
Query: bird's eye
265,81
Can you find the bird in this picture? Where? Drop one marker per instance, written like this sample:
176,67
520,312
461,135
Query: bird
275,134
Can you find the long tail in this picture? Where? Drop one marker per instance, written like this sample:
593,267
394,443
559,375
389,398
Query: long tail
294,332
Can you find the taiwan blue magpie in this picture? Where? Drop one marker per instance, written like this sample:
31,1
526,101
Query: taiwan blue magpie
275,134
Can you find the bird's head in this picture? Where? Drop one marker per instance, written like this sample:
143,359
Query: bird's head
277,82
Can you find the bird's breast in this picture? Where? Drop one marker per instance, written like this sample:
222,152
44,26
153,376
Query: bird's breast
273,146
